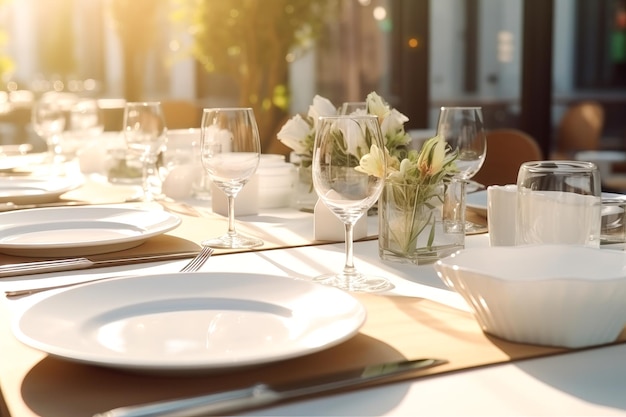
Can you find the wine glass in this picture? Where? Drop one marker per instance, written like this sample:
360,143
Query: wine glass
48,120
144,131
463,130
340,142
85,123
230,153
86,118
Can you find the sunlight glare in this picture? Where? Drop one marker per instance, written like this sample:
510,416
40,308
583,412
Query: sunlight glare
380,13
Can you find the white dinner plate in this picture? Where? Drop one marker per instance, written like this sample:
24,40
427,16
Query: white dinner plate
35,190
478,201
192,322
80,231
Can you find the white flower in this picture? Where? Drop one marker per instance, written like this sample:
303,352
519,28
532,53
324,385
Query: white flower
432,157
393,123
294,133
374,163
377,106
299,132
357,145
321,107
399,174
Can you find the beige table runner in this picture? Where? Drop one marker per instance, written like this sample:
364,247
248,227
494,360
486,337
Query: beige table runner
397,327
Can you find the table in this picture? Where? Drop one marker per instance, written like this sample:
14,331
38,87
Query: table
586,382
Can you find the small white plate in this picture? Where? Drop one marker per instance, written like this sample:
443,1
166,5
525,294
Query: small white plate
80,231
473,186
601,156
190,323
32,190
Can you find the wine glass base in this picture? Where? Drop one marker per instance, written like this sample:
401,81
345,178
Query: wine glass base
236,241
356,283
472,228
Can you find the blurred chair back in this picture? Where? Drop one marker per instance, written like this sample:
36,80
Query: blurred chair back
507,149
580,129
181,114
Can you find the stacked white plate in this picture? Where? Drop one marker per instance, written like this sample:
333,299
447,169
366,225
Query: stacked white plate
276,178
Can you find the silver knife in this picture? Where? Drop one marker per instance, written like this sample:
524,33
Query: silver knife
69,264
261,395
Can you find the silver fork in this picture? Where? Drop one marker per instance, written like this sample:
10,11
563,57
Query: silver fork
194,265
200,259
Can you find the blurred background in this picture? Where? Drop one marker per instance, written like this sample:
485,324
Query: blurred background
524,61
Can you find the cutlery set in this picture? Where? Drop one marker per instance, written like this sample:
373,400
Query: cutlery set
79,263
262,395
69,264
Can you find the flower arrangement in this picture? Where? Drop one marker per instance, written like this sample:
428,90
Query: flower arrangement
412,203
411,207
298,133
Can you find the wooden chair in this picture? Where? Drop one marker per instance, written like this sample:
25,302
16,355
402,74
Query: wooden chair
580,129
507,149
181,114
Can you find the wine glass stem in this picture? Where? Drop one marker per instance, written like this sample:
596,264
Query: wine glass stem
151,180
54,147
348,269
231,215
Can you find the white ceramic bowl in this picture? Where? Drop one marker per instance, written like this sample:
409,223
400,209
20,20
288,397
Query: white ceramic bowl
555,295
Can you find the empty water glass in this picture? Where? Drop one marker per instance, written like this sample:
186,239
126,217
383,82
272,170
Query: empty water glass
559,202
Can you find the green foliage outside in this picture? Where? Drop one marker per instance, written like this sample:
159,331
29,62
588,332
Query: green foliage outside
252,41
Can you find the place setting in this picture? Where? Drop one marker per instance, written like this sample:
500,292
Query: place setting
29,179
72,217
252,319
39,221
67,213
213,323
